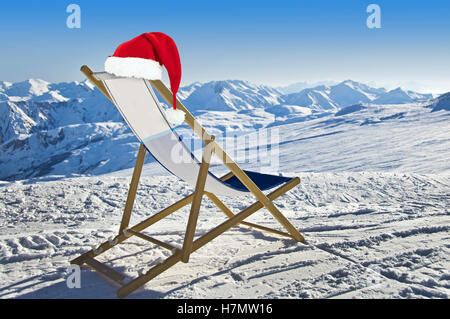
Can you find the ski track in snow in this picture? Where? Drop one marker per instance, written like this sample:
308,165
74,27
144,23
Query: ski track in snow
370,234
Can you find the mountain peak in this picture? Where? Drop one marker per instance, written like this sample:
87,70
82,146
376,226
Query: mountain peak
28,88
441,103
400,96
230,95
350,82
356,85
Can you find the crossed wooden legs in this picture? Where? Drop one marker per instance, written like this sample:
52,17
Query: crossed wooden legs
189,244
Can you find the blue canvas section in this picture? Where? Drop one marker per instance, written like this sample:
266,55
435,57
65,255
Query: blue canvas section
149,138
263,181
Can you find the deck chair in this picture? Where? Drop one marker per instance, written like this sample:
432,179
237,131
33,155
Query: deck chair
139,106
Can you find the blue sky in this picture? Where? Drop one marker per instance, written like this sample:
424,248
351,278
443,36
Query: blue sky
270,42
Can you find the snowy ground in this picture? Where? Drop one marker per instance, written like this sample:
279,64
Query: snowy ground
373,205
369,234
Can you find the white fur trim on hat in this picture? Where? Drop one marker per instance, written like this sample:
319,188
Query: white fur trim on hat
134,67
175,117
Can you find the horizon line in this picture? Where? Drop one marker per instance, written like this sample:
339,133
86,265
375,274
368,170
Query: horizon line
310,84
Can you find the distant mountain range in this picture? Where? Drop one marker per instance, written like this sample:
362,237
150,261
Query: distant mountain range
235,95
66,128
298,86
441,103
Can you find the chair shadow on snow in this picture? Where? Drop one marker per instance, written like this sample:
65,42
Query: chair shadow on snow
94,285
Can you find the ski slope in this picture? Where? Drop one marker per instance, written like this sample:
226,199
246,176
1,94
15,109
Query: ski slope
370,235
373,205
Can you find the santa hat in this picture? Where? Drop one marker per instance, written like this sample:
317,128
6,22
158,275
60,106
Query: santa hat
143,57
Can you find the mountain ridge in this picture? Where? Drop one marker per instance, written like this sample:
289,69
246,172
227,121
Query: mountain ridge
58,127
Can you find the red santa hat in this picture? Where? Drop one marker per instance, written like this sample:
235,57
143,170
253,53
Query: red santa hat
143,57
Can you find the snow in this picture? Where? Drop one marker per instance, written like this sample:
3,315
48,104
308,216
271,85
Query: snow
373,203
28,88
315,98
350,109
234,95
398,96
360,228
441,103
299,86
33,108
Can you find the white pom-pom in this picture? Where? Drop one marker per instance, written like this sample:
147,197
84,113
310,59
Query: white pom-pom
175,117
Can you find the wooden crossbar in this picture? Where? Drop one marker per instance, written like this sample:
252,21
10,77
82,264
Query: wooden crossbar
152,240
227,176
189,245
106,271
137,228
230,214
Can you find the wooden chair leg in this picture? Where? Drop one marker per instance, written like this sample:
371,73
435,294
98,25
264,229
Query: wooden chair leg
133,188
196,202
203,240
251,186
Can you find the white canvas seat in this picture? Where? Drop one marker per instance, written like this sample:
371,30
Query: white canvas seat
139,106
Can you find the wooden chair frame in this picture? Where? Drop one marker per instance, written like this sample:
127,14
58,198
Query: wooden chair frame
189,245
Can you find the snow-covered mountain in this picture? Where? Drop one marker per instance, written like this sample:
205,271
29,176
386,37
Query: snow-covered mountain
32,106
70,128
299,86
336,96
315,98
441,103
350,92
399,96
232,95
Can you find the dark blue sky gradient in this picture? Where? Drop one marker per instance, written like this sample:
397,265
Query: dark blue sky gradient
271,42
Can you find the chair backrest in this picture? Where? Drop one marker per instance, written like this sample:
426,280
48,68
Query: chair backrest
140,108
